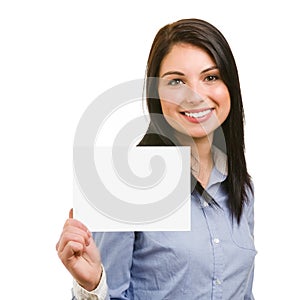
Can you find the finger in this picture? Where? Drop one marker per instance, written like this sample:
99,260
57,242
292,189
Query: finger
77,224
73,228
70,217
68,237
70,230
70,250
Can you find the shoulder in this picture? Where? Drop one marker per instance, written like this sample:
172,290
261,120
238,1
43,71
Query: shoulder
249,203
249,190
154,139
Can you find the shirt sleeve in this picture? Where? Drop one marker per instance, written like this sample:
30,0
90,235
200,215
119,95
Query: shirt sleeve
100,293
250,218
249,294
116,250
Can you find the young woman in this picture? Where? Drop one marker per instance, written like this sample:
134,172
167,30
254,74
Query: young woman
193,76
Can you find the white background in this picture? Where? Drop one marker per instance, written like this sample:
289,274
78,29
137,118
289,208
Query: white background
58,56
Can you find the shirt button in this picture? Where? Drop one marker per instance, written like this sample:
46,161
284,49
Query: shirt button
218,282
216,240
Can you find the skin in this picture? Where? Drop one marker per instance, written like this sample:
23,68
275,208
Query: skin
190,82
78,252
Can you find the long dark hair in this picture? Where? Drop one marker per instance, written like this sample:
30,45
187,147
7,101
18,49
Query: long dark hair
204,35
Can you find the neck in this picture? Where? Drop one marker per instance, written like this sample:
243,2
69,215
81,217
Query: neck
201,156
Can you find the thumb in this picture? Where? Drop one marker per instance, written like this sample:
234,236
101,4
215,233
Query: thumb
71,213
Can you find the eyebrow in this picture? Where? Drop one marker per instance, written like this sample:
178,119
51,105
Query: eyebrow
182,74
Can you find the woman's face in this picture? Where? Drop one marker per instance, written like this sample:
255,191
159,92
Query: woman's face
194,99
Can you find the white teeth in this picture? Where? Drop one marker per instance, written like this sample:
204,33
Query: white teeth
199,114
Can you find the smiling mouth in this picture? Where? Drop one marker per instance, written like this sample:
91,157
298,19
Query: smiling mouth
198,114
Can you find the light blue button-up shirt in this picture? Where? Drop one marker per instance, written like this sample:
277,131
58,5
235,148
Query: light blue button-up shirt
215,260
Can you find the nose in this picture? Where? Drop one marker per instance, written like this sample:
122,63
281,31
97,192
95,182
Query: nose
194,95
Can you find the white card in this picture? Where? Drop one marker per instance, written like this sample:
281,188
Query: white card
141,189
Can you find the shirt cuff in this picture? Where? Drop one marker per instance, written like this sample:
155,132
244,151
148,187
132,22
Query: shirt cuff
100,293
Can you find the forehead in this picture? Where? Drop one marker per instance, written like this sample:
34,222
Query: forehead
186,56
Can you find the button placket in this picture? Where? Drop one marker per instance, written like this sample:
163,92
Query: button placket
218,255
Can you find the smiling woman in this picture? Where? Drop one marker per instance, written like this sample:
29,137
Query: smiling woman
194,99
192,92
192,84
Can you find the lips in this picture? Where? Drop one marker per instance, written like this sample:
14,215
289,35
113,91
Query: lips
199,114
196,116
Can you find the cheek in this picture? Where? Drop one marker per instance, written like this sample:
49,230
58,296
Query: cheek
222,98
168,108
174,95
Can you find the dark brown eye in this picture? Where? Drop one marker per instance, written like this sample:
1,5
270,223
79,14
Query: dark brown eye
211,78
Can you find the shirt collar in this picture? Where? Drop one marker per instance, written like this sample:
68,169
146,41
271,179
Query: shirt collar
218,174
220,169
220,160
